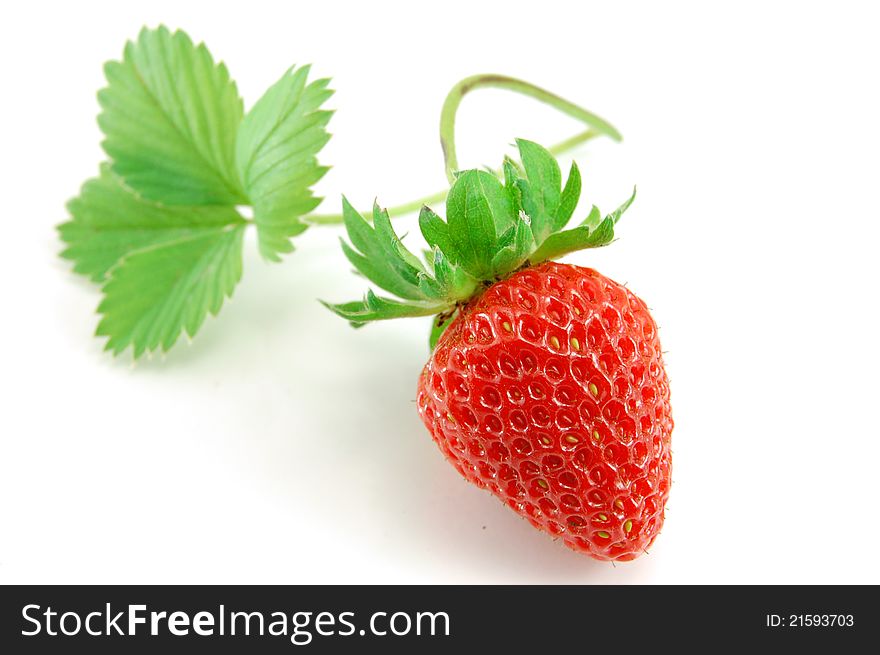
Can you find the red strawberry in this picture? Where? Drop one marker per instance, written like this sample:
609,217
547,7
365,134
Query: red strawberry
549,390
546,382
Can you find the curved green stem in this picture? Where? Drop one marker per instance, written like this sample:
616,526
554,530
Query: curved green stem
460,90
597,127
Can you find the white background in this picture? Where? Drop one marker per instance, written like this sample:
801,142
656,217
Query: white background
282,446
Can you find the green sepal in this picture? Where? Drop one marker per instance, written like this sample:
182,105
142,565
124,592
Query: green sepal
578,238
594,232
517,248
568,200
541,189
617,213
454,284
493,227
375,308
436,232
380,256
478,209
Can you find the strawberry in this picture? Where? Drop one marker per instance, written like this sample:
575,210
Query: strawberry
549,390
546,383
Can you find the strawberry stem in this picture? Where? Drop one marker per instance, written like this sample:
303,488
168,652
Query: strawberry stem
440,196
597,127
596,124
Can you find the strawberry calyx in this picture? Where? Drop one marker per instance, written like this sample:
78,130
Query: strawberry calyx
494,227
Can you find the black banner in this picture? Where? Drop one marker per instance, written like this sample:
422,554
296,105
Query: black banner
408,619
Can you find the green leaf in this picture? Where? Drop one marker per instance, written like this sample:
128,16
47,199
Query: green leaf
155,294
110,221
374,308
170,117
276,159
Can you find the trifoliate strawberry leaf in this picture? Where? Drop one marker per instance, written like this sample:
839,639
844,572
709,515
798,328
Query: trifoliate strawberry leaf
183,156
154,294
110,221
170,117
490,231
275,157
